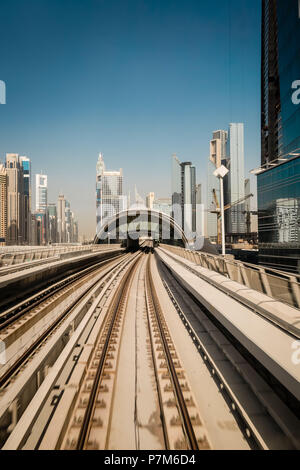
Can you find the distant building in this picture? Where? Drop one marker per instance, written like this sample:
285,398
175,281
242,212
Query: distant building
34,230
216,157
76,235
52,220
3,205
15,200
163,205
184,194
149,200
109,192
68,221
61,219
26,166
41,193
41,228
235,181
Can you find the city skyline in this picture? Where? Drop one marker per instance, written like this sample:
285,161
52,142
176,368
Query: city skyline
27,220
168,132
62,119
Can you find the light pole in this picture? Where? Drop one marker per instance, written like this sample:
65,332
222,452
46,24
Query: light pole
220,173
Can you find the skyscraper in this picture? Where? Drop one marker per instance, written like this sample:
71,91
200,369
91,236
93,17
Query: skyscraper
184,194
41,193
280,115
61,219
216,157
15,200
235,217
69,223
26,166
41,207
149,200
3,204
278,179
52,217
109,192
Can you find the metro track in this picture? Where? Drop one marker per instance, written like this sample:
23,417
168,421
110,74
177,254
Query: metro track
54,292
176,378
8,316
92,392
90,421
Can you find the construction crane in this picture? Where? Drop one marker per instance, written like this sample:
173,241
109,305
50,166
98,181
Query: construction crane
226,207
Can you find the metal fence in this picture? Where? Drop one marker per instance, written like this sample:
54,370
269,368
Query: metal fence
279,285
11,255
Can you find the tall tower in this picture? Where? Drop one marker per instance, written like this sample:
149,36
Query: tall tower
278,183
235,217
217,155
100,168
52,216
61,219
3,205
109,192
150,200
68,220
270,88
184,194
26,166
41,193
15,200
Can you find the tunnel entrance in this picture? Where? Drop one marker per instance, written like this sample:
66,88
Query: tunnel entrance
128,227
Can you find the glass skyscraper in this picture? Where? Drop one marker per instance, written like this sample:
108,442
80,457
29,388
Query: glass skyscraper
184,195
235,180
109,192
278,180
26,165
41,193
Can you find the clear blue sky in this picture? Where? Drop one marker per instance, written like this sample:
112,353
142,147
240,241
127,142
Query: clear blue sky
135,79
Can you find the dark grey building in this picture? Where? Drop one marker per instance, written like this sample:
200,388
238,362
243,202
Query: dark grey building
184,194
278,179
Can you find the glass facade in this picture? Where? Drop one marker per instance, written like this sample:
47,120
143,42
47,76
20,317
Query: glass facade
289,71
41,195
26,165
235,218
279,216
52,217
278,186
184,194
109,193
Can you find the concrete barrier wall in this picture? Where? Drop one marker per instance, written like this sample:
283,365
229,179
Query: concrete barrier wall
15,287
277,284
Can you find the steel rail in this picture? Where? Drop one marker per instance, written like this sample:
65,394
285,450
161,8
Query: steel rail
156,308
159,394
115,309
